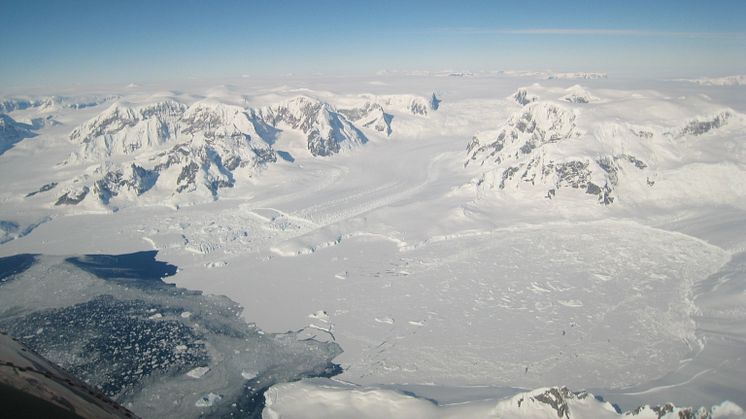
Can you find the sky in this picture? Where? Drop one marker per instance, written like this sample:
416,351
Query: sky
54,43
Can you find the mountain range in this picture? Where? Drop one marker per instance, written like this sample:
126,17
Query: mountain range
207,145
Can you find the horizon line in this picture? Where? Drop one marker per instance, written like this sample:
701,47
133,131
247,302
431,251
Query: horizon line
469,30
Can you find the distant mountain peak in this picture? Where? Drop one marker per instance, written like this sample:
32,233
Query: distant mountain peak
530,151
12,132
327,130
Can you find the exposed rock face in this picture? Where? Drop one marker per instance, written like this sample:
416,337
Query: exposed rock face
74,196
700,127
177,148
187,178
579,95
526,130
435,102
553,402
561,403
370,115
123,129
135,179
210,142
415,105
373,113
11,132
670,411
523,97
326,130
44,188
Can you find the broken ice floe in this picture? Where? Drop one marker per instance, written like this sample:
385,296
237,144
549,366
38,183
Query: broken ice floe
162,350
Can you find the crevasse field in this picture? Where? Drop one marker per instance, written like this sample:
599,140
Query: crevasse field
450,242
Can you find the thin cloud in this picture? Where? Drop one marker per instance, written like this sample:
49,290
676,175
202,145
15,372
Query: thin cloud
589,32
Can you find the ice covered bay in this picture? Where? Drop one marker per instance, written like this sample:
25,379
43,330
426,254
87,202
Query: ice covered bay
594,304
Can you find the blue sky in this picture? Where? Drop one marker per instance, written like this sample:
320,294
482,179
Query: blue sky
47,43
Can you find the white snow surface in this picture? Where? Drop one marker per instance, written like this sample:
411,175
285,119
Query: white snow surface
433,273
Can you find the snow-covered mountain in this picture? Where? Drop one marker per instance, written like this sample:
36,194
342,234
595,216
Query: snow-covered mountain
574,94
527,149
126,129
555,75
556,140
301,399
560,402
548,146
180,148
370,115
415,105
701,126
176,148
12,131
578,94
327,131
736,80
52,103
581,75
523,97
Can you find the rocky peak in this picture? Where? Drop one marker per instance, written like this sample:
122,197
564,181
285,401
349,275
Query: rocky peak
561,403
326,130
528,151
412,104
125,129
578,94
698,127
217,120
535,125
12,131
370,115
523,97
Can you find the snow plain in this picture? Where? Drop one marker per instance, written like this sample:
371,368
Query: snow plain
432,282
